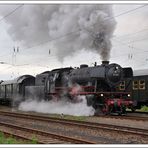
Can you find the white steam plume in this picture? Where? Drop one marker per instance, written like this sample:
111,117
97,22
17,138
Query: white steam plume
33,24
60,107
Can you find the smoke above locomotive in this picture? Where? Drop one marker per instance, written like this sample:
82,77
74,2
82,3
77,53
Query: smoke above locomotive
70,27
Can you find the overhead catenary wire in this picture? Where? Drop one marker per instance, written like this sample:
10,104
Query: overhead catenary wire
113,17
129,45
10,13
139,50
70,33
133,41
7,15
53,57
59,37
130,34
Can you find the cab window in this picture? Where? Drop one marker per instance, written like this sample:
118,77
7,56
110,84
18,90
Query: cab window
141,84
135,85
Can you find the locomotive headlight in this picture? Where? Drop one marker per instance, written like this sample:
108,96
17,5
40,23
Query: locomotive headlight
116,67
128,95
101,95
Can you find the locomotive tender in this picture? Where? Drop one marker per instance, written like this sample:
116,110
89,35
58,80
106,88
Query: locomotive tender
97,83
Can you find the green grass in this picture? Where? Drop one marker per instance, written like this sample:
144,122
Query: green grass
34,140
12,140
144,109
78,118
7,140
69,117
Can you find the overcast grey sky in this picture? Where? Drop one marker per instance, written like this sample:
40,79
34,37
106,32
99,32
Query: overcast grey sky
129,42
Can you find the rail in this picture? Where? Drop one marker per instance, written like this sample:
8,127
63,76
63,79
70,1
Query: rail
91,125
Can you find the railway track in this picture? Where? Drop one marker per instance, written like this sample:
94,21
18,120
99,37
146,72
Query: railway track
138,112
127,117
84,125
47,118
44,137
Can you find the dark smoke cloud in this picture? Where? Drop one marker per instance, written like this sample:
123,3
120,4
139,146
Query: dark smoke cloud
33,24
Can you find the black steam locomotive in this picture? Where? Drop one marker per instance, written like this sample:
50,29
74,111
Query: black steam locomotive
97,83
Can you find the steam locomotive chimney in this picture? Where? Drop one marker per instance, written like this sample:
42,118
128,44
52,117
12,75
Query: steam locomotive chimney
105,62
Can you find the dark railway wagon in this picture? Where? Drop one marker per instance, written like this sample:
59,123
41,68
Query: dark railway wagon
14,90
140,91
138,86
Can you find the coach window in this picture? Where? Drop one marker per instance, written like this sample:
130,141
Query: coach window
8,90
3,89
122,85
135,85
43,80
141,84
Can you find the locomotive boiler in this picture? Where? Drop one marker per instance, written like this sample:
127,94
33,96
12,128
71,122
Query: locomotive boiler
111,74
